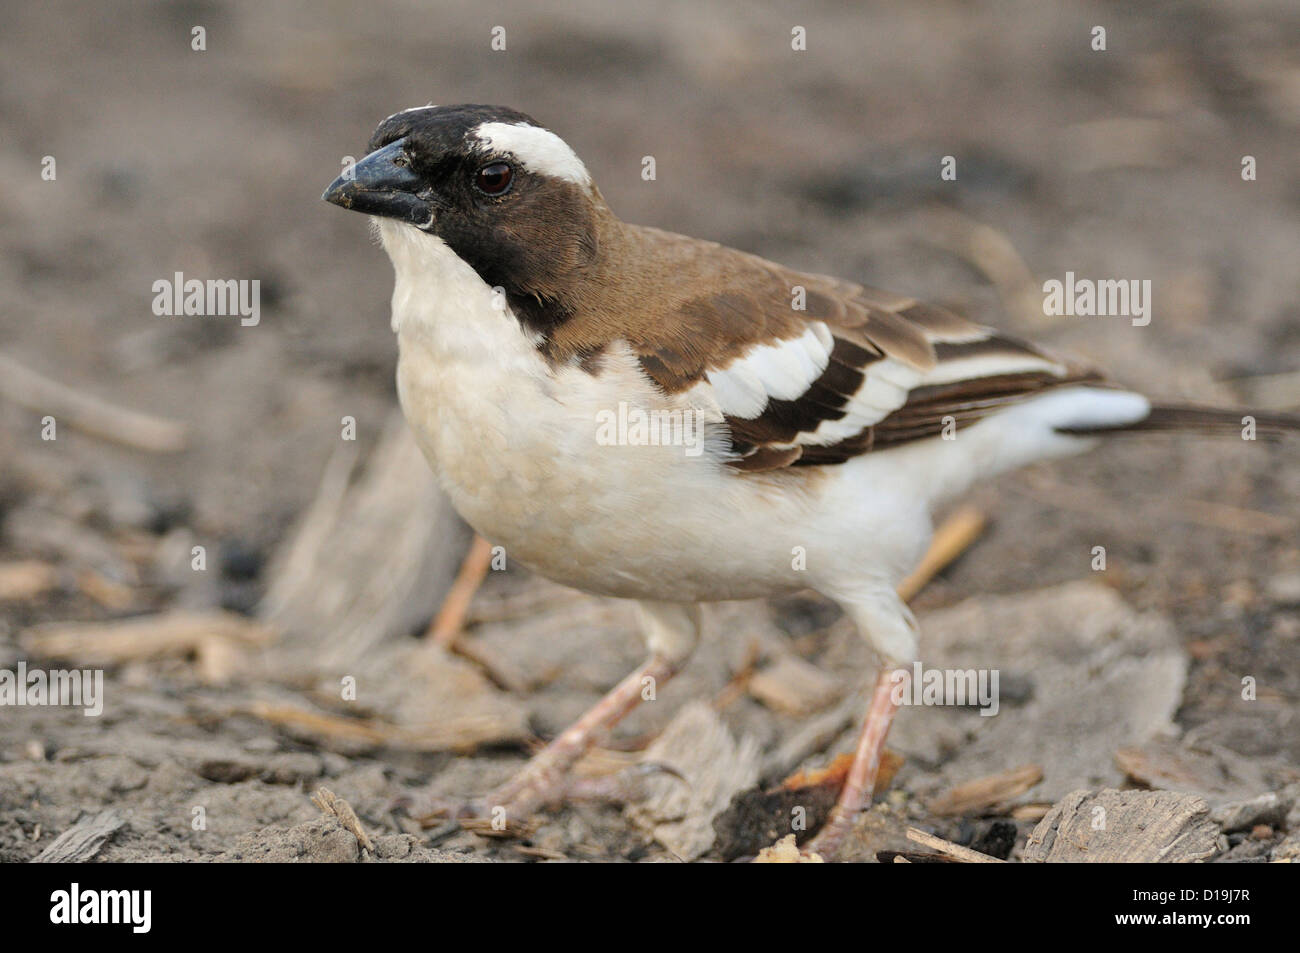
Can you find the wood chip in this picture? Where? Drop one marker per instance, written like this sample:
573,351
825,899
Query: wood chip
1219,775
716,767
1030,812
542,853
834,774
109,594
368,562
25,580
1071,727
411,696
1111,826
1266,811
794,686
455,732
983,794
83,840
147,637
499,667
785,851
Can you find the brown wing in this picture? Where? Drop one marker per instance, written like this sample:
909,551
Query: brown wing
869,402
807,369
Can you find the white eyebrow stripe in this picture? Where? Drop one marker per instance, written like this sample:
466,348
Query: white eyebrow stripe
540,150
413,109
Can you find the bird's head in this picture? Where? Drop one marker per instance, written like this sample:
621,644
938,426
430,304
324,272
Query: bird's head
506,195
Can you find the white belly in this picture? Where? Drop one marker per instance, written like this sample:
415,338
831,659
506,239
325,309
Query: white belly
526,469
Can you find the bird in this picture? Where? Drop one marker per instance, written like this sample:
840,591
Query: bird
654,417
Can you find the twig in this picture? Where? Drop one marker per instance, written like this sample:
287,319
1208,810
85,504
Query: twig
330,803
992,252
948,849
951,539
451,617
738,683
331,727
88,414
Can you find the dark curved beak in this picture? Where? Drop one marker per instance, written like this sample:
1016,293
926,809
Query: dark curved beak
382,184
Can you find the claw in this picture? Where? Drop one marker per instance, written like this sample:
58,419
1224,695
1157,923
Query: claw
653,767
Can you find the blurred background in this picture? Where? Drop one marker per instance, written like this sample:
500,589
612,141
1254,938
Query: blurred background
325,559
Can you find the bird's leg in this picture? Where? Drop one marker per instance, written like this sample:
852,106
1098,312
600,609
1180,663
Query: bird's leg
671,633
542,780
855,796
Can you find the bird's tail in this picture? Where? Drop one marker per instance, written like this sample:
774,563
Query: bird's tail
1216,421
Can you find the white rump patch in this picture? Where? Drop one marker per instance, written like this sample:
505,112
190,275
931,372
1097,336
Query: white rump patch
1085,408
783,370
540,150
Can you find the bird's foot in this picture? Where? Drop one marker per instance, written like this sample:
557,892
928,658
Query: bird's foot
827,841
512,807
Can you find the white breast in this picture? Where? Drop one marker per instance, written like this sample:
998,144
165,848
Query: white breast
515,442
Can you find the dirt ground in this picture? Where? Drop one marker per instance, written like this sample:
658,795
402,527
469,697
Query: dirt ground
1122,163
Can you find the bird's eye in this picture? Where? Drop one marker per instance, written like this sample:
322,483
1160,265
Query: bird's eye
494,178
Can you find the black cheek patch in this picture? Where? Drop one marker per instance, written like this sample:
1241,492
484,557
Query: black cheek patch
536,243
